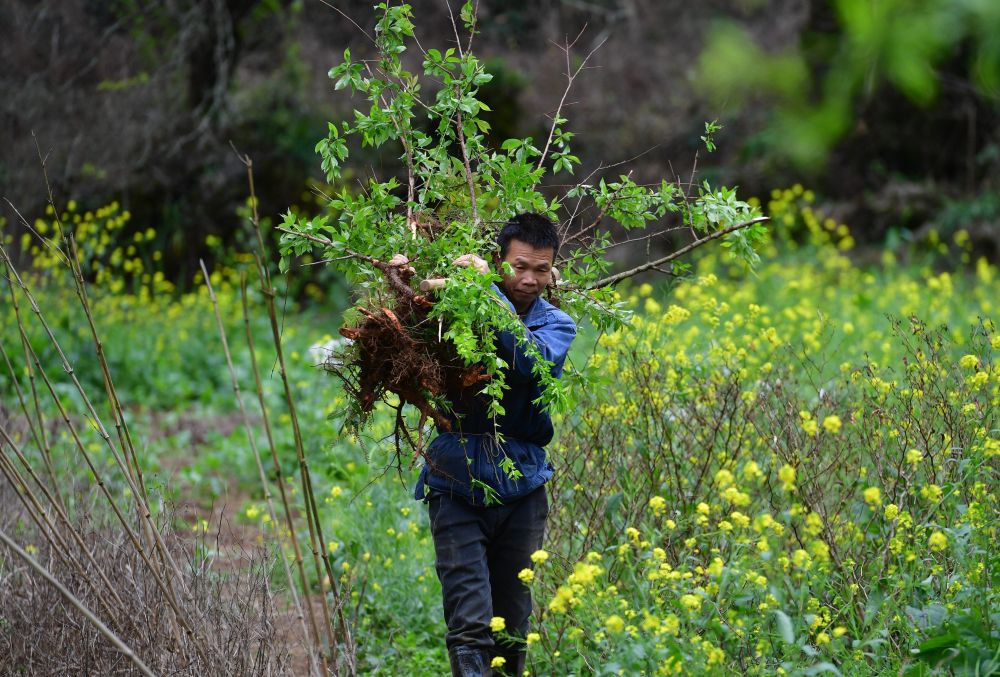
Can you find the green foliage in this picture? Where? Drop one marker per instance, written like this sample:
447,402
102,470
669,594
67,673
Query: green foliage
711,375
152,334
458,192
896,43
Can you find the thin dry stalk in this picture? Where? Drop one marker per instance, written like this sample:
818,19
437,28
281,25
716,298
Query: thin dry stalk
49,529
316,541
134,471
71,598
37,426
279,477
167,587
139,495
316,538
265,485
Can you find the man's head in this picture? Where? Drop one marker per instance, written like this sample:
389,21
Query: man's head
529,243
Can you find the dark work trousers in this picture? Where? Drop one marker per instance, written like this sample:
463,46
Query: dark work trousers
480,551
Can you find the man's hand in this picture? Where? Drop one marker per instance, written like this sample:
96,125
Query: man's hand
400,261
467,260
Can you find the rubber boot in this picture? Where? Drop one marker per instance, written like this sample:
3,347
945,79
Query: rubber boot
467,661
514,661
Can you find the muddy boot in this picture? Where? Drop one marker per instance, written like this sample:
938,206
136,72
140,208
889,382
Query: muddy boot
467,661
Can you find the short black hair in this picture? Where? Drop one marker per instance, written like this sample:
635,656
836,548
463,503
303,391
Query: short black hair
531,228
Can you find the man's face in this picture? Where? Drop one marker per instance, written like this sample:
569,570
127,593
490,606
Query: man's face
532,273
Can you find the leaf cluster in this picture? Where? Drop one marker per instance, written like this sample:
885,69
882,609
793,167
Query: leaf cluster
458,192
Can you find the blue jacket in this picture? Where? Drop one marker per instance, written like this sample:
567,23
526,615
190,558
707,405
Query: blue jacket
471,450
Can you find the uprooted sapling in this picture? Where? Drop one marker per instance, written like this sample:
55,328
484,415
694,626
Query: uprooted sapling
398,348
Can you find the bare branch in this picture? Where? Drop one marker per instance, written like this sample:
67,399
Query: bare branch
341,13
570,77
649,265
72,599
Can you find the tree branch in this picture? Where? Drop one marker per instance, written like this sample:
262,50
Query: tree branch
649,265
570,77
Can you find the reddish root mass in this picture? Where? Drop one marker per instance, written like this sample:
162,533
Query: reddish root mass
397,351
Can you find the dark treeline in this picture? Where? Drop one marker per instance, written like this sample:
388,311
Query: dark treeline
139,101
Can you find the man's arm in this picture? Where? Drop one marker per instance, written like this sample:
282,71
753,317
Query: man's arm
552,341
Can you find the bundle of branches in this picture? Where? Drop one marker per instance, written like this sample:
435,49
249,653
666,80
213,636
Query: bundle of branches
456,194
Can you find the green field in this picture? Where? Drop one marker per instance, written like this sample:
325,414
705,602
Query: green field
785,471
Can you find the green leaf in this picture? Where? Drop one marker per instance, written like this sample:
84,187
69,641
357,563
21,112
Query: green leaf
468,15
936,644
784,626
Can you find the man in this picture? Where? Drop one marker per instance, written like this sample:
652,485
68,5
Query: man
481,548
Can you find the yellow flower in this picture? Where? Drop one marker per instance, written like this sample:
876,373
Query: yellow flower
614,623
839,631
252,512
938,541
657,504
735,496
820,550
336,491
702,508
498,624
498,662
832,424
526,575
801,559
564,597
539,556
873,496
632,533
584,574
931,492
532,637
751,471
691,602
787,476
891,511
968,362
739,519
822,638
723,478
814,524
914,456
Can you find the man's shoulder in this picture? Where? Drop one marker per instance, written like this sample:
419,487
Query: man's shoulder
544,313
